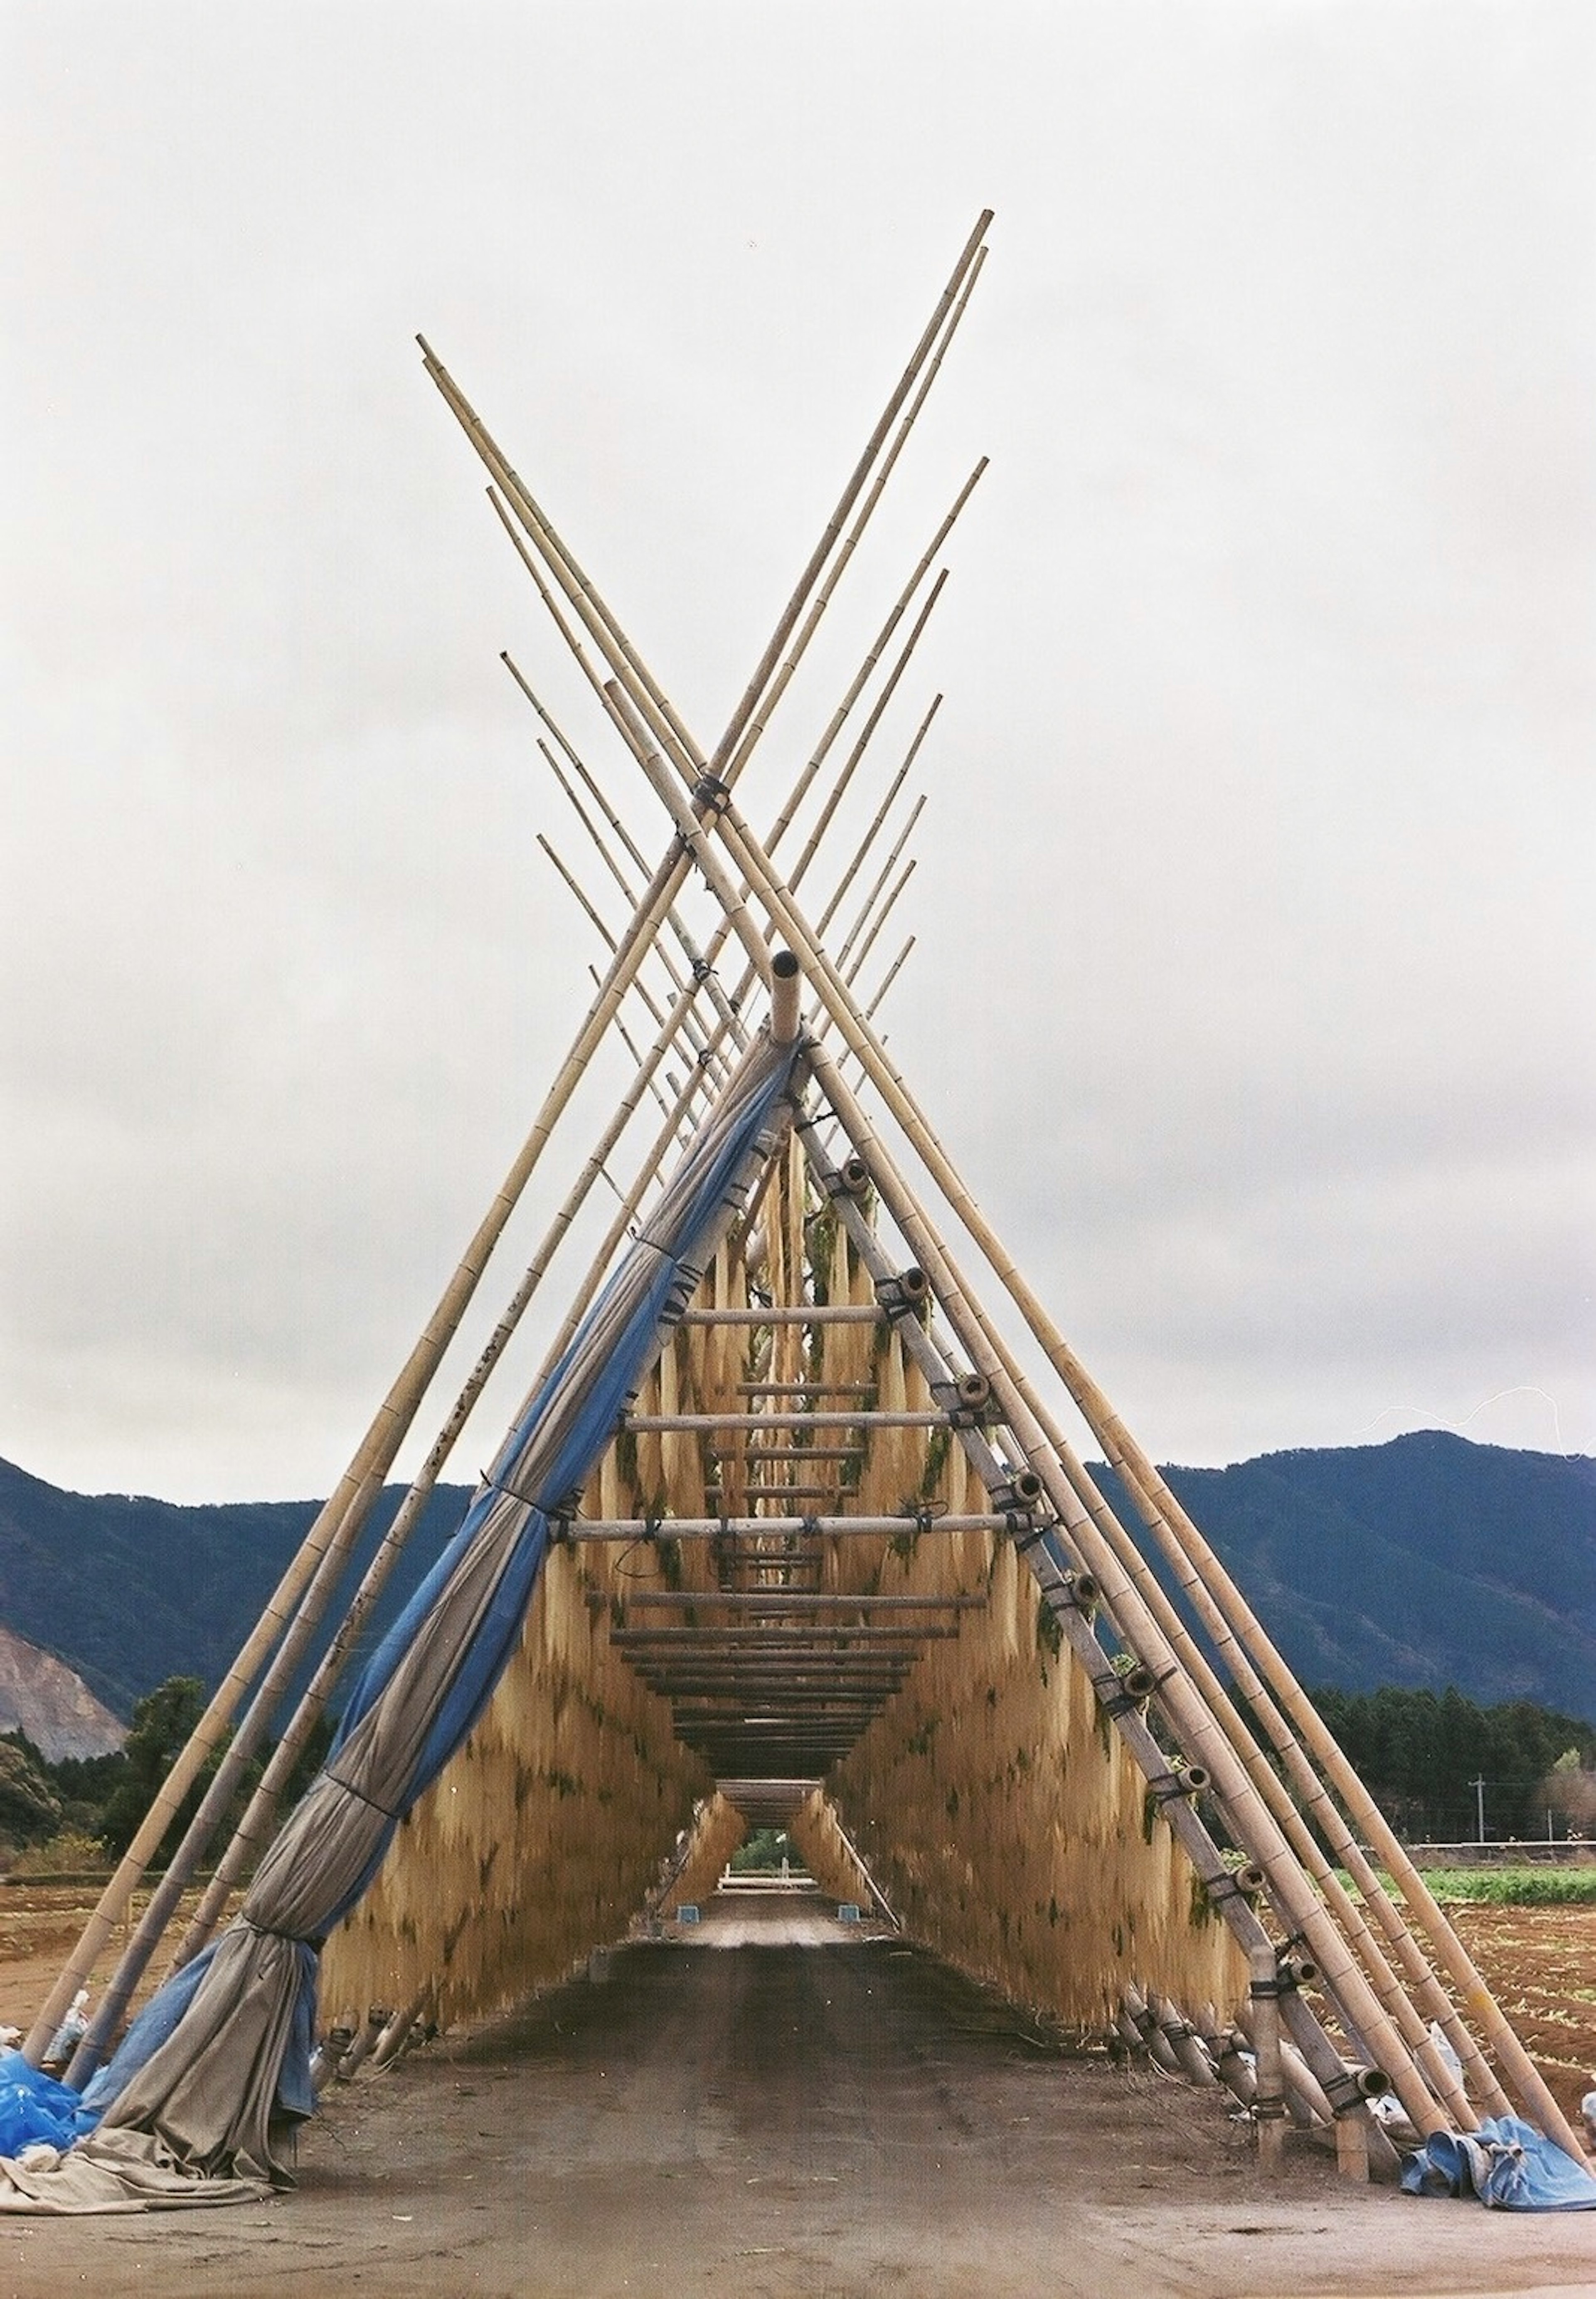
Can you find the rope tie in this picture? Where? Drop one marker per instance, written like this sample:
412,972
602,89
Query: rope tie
360,1796
711,794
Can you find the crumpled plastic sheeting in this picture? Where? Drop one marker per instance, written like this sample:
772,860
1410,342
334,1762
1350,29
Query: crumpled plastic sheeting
34,2108
112,2171
1506,2164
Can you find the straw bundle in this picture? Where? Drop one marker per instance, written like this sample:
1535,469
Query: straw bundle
543,1836
717,1832
820,1846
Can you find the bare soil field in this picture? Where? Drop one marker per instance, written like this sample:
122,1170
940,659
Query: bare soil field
772,2107
1540,1963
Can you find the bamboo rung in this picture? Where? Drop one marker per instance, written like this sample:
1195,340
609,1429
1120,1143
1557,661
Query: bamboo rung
760,1599
805,1389
712,1528
818,1420
830,1312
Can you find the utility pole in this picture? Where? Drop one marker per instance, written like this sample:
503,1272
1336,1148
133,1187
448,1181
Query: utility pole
1478,1786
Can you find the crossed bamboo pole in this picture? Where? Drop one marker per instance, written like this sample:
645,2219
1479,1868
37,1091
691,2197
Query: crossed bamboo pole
644,711
252,1831
331,1537
1250,1810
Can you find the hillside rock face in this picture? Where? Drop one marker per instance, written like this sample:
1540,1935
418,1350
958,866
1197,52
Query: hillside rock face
42,1696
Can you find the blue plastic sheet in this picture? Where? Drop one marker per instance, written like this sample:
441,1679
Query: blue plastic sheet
1506,2164
33,2106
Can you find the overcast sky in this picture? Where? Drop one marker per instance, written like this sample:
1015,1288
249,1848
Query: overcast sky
1253,991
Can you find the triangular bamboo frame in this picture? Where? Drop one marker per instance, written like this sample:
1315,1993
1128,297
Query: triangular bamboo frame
1272,1779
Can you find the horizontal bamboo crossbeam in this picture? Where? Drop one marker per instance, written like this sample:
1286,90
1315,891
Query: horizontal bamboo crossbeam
805,1389
709,1528
818,1750
763,1599
768,1737
698,1712
814,1313
727,1671
781,1691
862,1419
794,1637
769,1455
730,1677
755,1493
701,1710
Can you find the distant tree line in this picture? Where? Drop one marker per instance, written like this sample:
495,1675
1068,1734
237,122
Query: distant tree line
1423,1756
100,1800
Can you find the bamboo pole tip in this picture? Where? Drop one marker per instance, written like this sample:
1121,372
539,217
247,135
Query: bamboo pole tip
784,998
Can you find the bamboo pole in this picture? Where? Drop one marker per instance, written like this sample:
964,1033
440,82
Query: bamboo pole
891,976
376,1454
687,1025
661,1098
823,597
928,354
1269,2099
869,943
840,890
387,1431
705,1528
701,971
873,719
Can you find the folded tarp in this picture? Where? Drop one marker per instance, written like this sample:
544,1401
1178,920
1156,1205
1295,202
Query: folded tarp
222,2050
1507,2164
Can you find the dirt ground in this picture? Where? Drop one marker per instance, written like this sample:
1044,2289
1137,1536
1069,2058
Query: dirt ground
803,2112
1540,1964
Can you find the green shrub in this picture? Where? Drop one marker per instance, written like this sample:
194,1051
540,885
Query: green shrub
1516,1887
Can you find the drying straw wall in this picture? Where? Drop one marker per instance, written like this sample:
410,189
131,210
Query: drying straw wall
717,1833
542,1838
1008,1825
820,1846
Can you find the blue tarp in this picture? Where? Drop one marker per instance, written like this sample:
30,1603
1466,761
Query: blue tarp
1506,2164
33,2106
